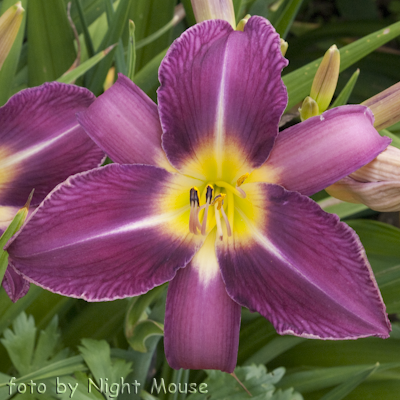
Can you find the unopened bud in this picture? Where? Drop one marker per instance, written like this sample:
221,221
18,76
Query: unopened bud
385,106
242,23
214,9
284,46
376,184
10,22
308,109
326,78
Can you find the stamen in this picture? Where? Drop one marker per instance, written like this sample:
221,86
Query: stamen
209,196
218,203
228,226
218,221
241,179
237,191
239,182
194,207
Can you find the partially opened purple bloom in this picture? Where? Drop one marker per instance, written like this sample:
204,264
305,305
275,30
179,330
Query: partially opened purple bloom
194,217
41,144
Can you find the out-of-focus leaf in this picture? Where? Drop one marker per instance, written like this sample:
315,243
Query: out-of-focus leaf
299,82
96,77
275,347
149,16
339,392
344,95
147,77
285,20
321,378
95,320
358,9
8,70
85,30
51,49
381,244
341,208
190,18
395,139
74,74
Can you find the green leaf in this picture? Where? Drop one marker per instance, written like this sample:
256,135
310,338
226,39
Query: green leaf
381,244
285,20
299,82
142,331
11,230
322,378
147,77
59,368
275,347
51,49
344,95
258,382
9,310
86,34
74,74
149,16
341,208
9,68
96,354
395,139
350,384
97,76
20,342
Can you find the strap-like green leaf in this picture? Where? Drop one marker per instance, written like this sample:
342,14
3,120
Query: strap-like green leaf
299,82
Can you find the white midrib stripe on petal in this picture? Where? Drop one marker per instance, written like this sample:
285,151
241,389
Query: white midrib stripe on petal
219,125
149,222
15,158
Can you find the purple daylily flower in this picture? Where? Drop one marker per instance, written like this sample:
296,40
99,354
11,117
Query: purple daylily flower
41,144
194,217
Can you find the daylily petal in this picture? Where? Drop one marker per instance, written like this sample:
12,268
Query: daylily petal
113,232
312,155
221,98
41,143
124,122
15,285
379,196
201,321
301,268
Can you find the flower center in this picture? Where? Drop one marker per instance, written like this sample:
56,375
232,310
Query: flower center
218,202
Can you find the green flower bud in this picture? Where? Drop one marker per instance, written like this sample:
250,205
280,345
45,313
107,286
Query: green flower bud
326,78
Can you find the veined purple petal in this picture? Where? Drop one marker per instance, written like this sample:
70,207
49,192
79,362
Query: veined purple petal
41,142
302,269
221,95
15,285
201,321
312,155
124,122
112,232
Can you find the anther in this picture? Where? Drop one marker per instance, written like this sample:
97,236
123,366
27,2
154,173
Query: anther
194,207
209,196
239,182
